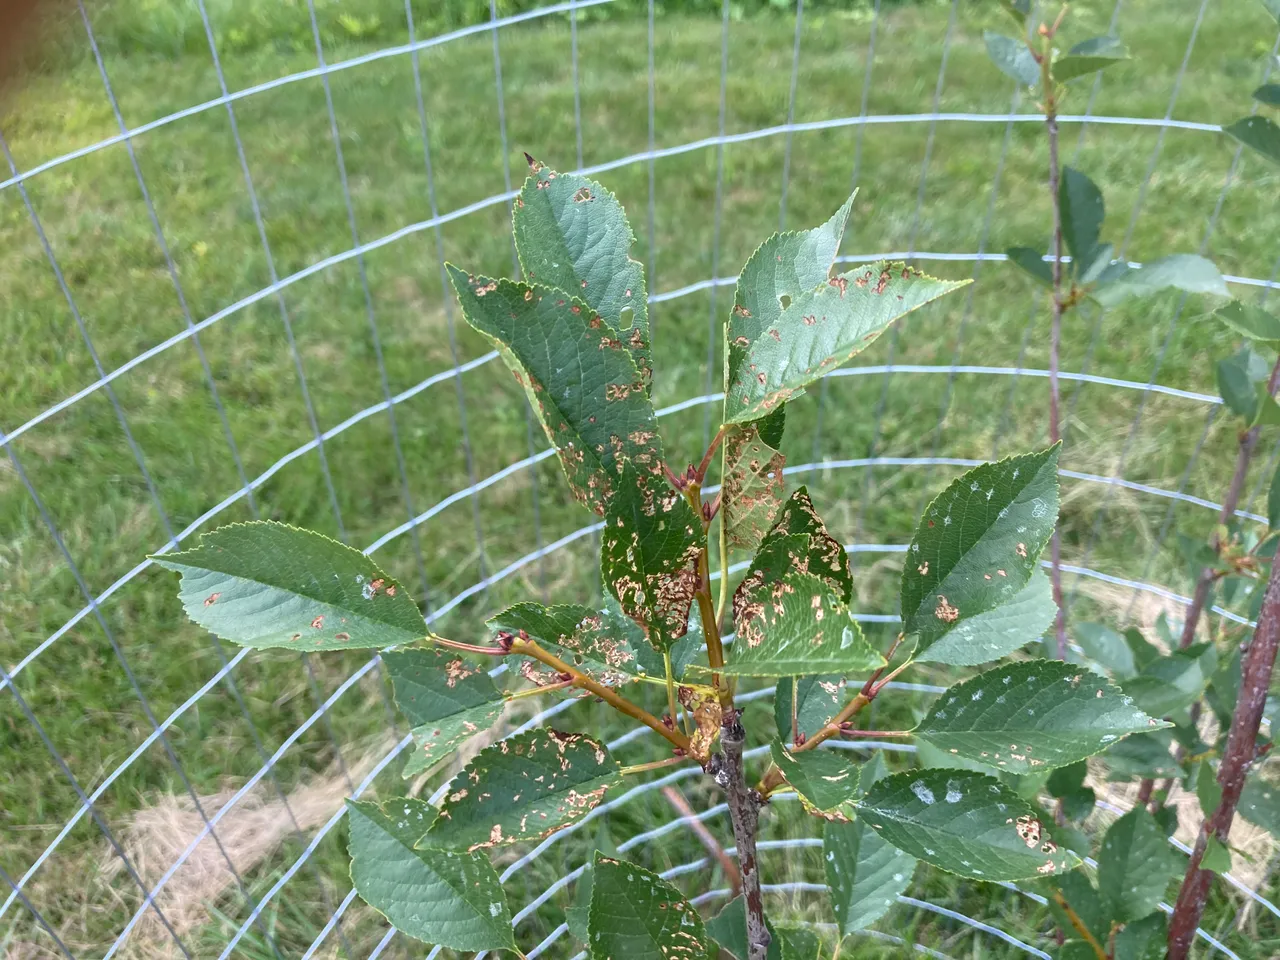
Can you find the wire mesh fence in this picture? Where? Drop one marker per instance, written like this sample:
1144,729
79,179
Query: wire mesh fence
230,303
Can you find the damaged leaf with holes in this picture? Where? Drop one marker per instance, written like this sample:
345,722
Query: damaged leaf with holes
649,551
266,584
590,640
965,823
523,788
572,234
1030,716
578,374
971,588
445,699
636,915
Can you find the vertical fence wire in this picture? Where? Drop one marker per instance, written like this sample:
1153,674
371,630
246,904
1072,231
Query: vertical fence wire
712,324
138,456
816,446
896,331
791,118
37,915
515,267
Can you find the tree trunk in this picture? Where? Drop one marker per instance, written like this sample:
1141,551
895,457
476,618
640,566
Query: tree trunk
744,811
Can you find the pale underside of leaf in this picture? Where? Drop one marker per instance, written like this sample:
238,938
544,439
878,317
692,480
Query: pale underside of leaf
524,788
864,873
578,374
1188,272
441,897
265,584
798,626
816,700
964,822
975,551
445,699
572,234
823,328
1250,321
1013,58
636,915
1031,715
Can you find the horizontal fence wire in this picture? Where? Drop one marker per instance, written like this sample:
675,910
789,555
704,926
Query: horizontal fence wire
359,249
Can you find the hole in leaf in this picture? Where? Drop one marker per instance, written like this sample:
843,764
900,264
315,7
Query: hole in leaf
625,317
784,301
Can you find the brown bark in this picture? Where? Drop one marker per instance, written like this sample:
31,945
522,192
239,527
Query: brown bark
744,812
1255,668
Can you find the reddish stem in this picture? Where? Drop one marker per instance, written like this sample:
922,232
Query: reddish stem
1255,677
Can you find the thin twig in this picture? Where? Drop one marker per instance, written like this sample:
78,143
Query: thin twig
531,649
677,800
1079,925
1255,677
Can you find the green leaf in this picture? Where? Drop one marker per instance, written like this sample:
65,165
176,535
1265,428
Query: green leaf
728,928
1208,790
636,915
824,779
1033,263
1257,133
1268,93
968,590
1238,376
1089,56
1216,856
1067,784
1103,645
572,234
445,699
1143,939
590,640
865,874
817,700
575,917
821,329
1180,271
1082,213
524,788
1013,58
798,943
439,896
963,822
1031,714
649,555
1083,899
1273,8
649,661
265,584
1135,864
753,484
798,626
1267,411
1097,263
1142,755
781,271
1260,804
1173,682
1143,651
577,373
798,542
1018,9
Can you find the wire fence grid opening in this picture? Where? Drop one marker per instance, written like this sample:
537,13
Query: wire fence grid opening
225,230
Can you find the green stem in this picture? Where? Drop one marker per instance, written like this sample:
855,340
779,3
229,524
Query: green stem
671,686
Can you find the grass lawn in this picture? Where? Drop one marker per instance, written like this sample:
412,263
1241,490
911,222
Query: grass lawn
923,186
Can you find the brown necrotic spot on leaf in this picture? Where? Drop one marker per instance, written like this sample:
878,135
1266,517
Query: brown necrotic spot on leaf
945,611
211,599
